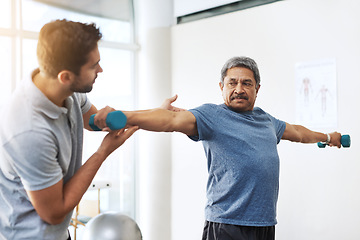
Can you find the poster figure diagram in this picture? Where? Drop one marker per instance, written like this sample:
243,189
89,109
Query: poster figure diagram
305,89
324,92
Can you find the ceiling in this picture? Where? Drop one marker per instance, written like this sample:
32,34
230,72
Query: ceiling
114,9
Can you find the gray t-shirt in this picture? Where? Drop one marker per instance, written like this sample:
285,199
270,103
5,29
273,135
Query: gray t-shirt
41,144
243,164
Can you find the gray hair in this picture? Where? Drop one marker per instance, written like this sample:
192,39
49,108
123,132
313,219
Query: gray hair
245,62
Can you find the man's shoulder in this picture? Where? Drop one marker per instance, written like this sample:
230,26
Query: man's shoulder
207,106
259,110
22,118
207,109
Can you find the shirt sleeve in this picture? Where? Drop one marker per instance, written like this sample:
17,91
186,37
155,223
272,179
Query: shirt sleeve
84,101
279,127
205,121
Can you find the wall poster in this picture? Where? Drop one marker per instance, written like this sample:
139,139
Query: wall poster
316,94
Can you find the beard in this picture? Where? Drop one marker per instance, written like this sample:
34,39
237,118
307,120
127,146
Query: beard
83,89
77,87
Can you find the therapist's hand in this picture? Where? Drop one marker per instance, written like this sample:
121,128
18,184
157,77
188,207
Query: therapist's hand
100,118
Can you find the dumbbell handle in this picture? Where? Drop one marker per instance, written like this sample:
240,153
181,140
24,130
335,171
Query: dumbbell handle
345,142
114,120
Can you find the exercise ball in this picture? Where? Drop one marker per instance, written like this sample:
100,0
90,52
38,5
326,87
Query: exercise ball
112,226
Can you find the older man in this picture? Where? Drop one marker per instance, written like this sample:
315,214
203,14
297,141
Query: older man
240,143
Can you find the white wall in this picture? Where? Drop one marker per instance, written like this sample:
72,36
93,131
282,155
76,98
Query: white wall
319,193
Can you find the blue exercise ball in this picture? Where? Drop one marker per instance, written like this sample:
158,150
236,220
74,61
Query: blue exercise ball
112,226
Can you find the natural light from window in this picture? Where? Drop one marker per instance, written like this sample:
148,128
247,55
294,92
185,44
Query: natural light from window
5,14
46,13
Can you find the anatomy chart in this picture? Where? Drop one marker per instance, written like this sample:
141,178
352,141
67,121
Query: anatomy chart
316,95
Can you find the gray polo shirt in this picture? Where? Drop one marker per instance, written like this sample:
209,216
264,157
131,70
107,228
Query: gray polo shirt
41,144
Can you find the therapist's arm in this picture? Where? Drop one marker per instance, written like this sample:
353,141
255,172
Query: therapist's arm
53,203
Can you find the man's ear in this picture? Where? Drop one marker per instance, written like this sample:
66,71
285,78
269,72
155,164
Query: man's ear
65,77
221,85
257,88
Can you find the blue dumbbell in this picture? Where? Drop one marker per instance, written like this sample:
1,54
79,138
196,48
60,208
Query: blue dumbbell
345,142
115,120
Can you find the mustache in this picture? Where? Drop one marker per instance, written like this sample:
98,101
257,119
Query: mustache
239,96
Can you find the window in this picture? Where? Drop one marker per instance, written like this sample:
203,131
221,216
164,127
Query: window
5,66
5,16
117,64
46,13
186,12
20,23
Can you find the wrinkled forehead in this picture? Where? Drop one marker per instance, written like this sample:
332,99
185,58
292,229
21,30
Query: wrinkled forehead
239,73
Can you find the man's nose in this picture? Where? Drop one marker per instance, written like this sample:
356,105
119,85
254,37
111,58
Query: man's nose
239,88
100,69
